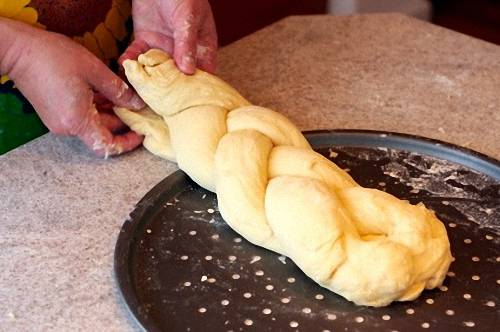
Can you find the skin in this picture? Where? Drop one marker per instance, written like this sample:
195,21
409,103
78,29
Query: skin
184,28
64,81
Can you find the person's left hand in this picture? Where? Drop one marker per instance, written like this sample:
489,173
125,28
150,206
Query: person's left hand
183,28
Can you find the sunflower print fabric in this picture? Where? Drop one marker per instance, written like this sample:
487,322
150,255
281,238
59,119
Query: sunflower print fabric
101,26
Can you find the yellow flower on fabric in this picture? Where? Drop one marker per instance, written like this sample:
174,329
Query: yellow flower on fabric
103,40
123,7
115,22
90,42
106,41
3,79
18,10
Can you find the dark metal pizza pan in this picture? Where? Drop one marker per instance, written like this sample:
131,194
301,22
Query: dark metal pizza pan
179,267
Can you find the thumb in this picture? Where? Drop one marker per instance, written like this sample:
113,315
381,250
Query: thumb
185,41
98,136
103,80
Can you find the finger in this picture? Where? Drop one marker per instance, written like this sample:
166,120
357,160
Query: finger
102,142
185,41
112,122
103,80
206,50
121,144
155,40
137,47
206,58
102,103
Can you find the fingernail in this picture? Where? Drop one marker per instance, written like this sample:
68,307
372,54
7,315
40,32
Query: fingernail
112,150
187,63
136,102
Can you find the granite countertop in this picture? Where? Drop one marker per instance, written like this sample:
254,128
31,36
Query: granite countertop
62,208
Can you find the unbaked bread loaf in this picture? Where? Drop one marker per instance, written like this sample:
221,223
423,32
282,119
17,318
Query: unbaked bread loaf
273,189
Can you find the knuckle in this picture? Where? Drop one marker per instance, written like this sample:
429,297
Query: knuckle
68,125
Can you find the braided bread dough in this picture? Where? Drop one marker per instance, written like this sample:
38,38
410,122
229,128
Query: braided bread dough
273,189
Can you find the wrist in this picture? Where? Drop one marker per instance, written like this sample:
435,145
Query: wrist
15,38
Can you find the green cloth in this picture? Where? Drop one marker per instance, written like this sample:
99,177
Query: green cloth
19,123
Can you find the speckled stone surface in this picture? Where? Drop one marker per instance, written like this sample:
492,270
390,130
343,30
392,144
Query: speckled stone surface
61,208
383,72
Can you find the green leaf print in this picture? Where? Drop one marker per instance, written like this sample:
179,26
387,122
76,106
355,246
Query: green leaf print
17,127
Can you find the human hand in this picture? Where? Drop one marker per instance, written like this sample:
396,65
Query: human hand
184,28
60,78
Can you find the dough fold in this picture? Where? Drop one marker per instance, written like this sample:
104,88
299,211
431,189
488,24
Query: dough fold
272,188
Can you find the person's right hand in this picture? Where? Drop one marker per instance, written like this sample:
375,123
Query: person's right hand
59,77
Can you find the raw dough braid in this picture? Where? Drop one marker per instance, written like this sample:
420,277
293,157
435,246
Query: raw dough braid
273,189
